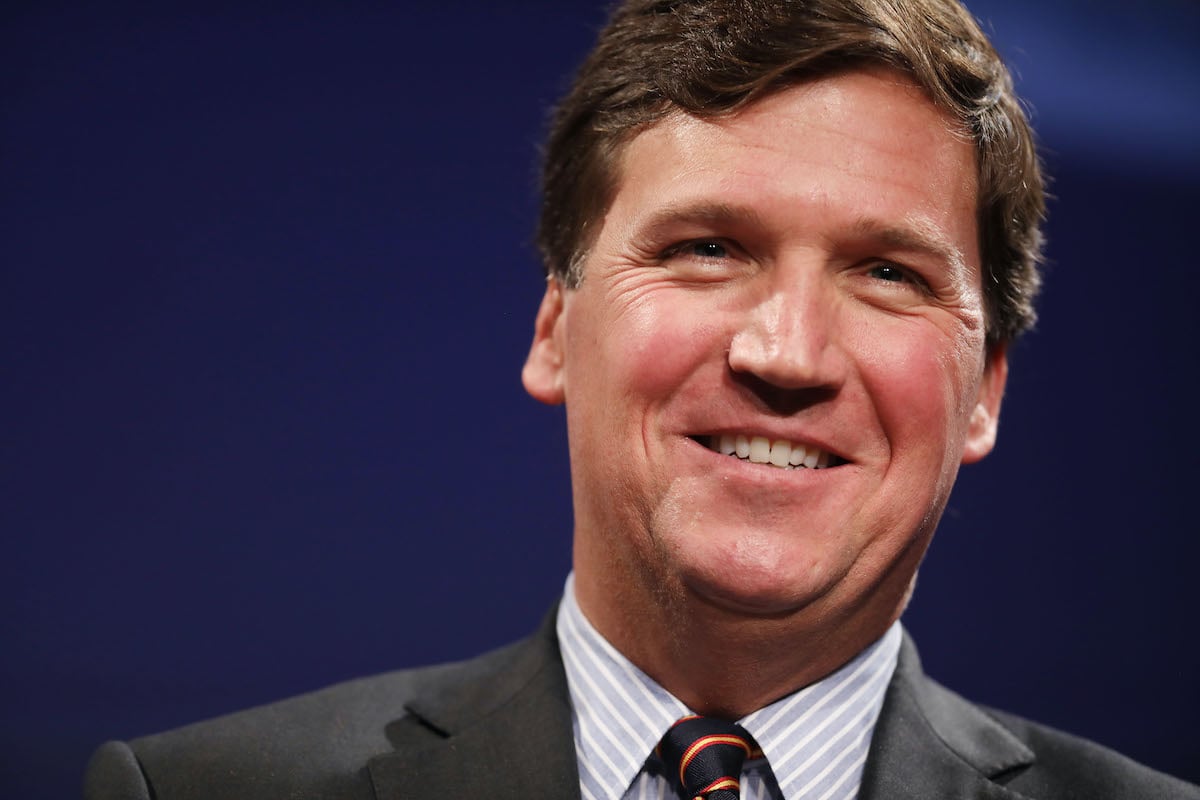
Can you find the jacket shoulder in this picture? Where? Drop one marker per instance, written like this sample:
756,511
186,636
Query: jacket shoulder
312,745
1069,766
931,742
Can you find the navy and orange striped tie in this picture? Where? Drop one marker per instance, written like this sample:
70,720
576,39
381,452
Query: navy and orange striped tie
706,754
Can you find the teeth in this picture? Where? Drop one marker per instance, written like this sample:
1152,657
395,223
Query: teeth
742,447
781,450
796,458
778,453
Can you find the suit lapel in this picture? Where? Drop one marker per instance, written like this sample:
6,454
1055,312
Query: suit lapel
498,727
929,742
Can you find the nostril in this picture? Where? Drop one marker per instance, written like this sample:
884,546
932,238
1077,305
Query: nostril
781,400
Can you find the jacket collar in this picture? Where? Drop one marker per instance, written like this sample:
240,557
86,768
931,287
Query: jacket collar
500,727
497,727
929,742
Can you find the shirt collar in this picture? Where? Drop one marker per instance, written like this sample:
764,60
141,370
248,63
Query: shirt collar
818,736
620,713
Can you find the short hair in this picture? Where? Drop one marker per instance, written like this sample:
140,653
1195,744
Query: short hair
707,58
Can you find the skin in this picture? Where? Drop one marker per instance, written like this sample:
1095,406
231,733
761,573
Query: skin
807,269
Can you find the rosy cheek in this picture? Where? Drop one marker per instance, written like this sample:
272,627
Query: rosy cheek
905,371
662,340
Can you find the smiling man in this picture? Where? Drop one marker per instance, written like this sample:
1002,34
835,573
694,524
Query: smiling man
773,363
787,246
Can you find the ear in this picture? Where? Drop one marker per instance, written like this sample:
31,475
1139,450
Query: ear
543,371
985,417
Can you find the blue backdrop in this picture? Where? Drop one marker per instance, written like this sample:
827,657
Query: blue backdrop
267,286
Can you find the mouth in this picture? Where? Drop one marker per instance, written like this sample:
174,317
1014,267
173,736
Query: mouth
778,453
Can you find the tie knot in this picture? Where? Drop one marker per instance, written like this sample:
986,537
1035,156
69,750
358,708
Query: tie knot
706,754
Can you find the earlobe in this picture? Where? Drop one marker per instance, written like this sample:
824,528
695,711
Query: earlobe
985,417
543,371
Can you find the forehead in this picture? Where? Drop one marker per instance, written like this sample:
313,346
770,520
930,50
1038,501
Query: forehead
867,144
855,102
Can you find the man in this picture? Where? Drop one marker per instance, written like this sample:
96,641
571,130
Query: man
788,244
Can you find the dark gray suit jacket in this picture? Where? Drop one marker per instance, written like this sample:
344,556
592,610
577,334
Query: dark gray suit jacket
499,727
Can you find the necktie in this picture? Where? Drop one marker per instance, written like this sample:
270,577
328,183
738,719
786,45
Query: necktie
706,754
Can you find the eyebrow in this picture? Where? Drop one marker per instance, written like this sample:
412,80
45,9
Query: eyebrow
704,212
915,236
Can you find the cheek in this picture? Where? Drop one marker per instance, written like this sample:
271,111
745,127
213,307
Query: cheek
655,345
922,383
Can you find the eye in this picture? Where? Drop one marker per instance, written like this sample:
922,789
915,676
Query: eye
897,276
888,272
705,260
705,249
891,285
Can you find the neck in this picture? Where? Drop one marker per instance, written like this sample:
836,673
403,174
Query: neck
760,658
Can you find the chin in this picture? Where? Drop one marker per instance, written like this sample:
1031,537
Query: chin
758,590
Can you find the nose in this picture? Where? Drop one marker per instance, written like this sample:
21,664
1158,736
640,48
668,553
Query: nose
789,340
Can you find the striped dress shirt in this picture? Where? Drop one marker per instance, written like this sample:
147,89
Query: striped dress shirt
814,741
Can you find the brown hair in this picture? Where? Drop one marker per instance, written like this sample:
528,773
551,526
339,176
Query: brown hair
711,57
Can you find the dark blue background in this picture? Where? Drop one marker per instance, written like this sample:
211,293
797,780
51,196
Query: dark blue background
267,286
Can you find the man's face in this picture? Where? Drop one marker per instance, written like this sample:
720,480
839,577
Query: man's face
800,275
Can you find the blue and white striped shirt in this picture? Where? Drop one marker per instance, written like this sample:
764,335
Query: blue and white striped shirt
815,740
